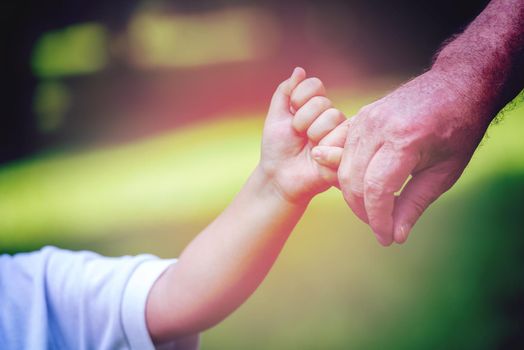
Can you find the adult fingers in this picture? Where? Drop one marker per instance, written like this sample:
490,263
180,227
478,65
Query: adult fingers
309,112
305,90
422,190
356,203
323,125
385,175
362,143
358,151
363,151
281,98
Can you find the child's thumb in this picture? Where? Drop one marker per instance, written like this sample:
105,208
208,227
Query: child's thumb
280,102
327,156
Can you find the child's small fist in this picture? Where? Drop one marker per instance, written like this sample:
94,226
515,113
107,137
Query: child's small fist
299,117
314,113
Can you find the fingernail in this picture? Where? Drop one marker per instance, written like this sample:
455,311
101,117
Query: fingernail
316,153
403,233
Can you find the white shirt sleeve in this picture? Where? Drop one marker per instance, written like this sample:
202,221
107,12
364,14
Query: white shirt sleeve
134,302
59,299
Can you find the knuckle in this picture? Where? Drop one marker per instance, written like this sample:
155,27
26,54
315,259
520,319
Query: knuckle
282,86
283,89
349,123
312,133
335,115
315,84
374,188
298,123
363,125
342,127
331,112
353,122
367,108
403,130
371,123
373,113
406,149
364,110
352,141
320,102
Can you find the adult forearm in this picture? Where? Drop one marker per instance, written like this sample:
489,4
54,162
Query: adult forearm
486,61
220,268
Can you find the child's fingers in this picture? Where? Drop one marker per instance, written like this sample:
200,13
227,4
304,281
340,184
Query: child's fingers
297,76
327,156
337,136
281,98
305,90
309,112
323,125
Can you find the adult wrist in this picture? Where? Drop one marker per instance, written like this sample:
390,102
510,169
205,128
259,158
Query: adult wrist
477,97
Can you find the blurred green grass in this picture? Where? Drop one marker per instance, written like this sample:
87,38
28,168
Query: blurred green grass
455,284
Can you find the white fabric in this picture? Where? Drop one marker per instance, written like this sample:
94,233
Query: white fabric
58,299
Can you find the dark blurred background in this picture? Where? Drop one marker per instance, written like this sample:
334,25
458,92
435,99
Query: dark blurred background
345,42
127,126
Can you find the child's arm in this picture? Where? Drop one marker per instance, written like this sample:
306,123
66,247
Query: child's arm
222,267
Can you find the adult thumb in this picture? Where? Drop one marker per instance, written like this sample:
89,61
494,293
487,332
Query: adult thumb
422,190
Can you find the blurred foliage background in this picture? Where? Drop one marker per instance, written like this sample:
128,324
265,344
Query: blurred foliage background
129,125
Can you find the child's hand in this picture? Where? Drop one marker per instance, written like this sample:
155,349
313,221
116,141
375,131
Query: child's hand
224,265
299,117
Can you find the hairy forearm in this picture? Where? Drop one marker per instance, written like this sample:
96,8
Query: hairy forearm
221,267
486,61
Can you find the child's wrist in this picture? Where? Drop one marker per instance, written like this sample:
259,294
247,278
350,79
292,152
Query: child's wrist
267,185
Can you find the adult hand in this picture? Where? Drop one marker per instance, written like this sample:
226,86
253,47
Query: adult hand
428,129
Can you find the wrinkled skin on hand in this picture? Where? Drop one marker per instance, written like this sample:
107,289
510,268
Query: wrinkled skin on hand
427,129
